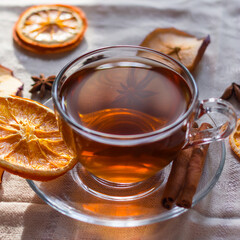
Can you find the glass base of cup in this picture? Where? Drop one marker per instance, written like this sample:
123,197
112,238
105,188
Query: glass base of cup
115,191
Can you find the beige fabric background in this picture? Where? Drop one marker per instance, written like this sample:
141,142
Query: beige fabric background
23,215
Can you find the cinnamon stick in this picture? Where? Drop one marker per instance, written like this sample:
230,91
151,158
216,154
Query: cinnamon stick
185,175
194,173
176,178
1,174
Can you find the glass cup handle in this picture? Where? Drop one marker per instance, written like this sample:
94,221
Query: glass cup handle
217,107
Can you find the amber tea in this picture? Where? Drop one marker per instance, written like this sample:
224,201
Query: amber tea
125,98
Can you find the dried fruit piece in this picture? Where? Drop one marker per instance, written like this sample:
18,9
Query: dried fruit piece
182,46
9,85
30,143
236,89
5,71
234,139
50,28
229,91
232,90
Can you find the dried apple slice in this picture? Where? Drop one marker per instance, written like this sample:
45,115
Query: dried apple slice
180,45
5,71
9,85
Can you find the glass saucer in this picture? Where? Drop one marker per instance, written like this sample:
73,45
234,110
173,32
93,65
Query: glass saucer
68,196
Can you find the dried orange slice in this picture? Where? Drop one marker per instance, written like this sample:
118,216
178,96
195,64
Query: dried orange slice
9,85
50,28
234,139
30,143
180,45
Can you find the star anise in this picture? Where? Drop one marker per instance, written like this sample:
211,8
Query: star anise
232,90
42,84
134,91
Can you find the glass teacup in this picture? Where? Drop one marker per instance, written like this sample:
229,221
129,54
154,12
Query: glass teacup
127,111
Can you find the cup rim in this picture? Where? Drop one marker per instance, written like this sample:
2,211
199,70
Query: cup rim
90,132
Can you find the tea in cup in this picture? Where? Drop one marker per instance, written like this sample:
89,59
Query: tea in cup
127,111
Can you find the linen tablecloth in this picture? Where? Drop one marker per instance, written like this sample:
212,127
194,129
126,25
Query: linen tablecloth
23,215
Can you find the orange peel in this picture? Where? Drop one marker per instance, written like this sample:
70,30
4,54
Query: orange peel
50,28
180,45
30,143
